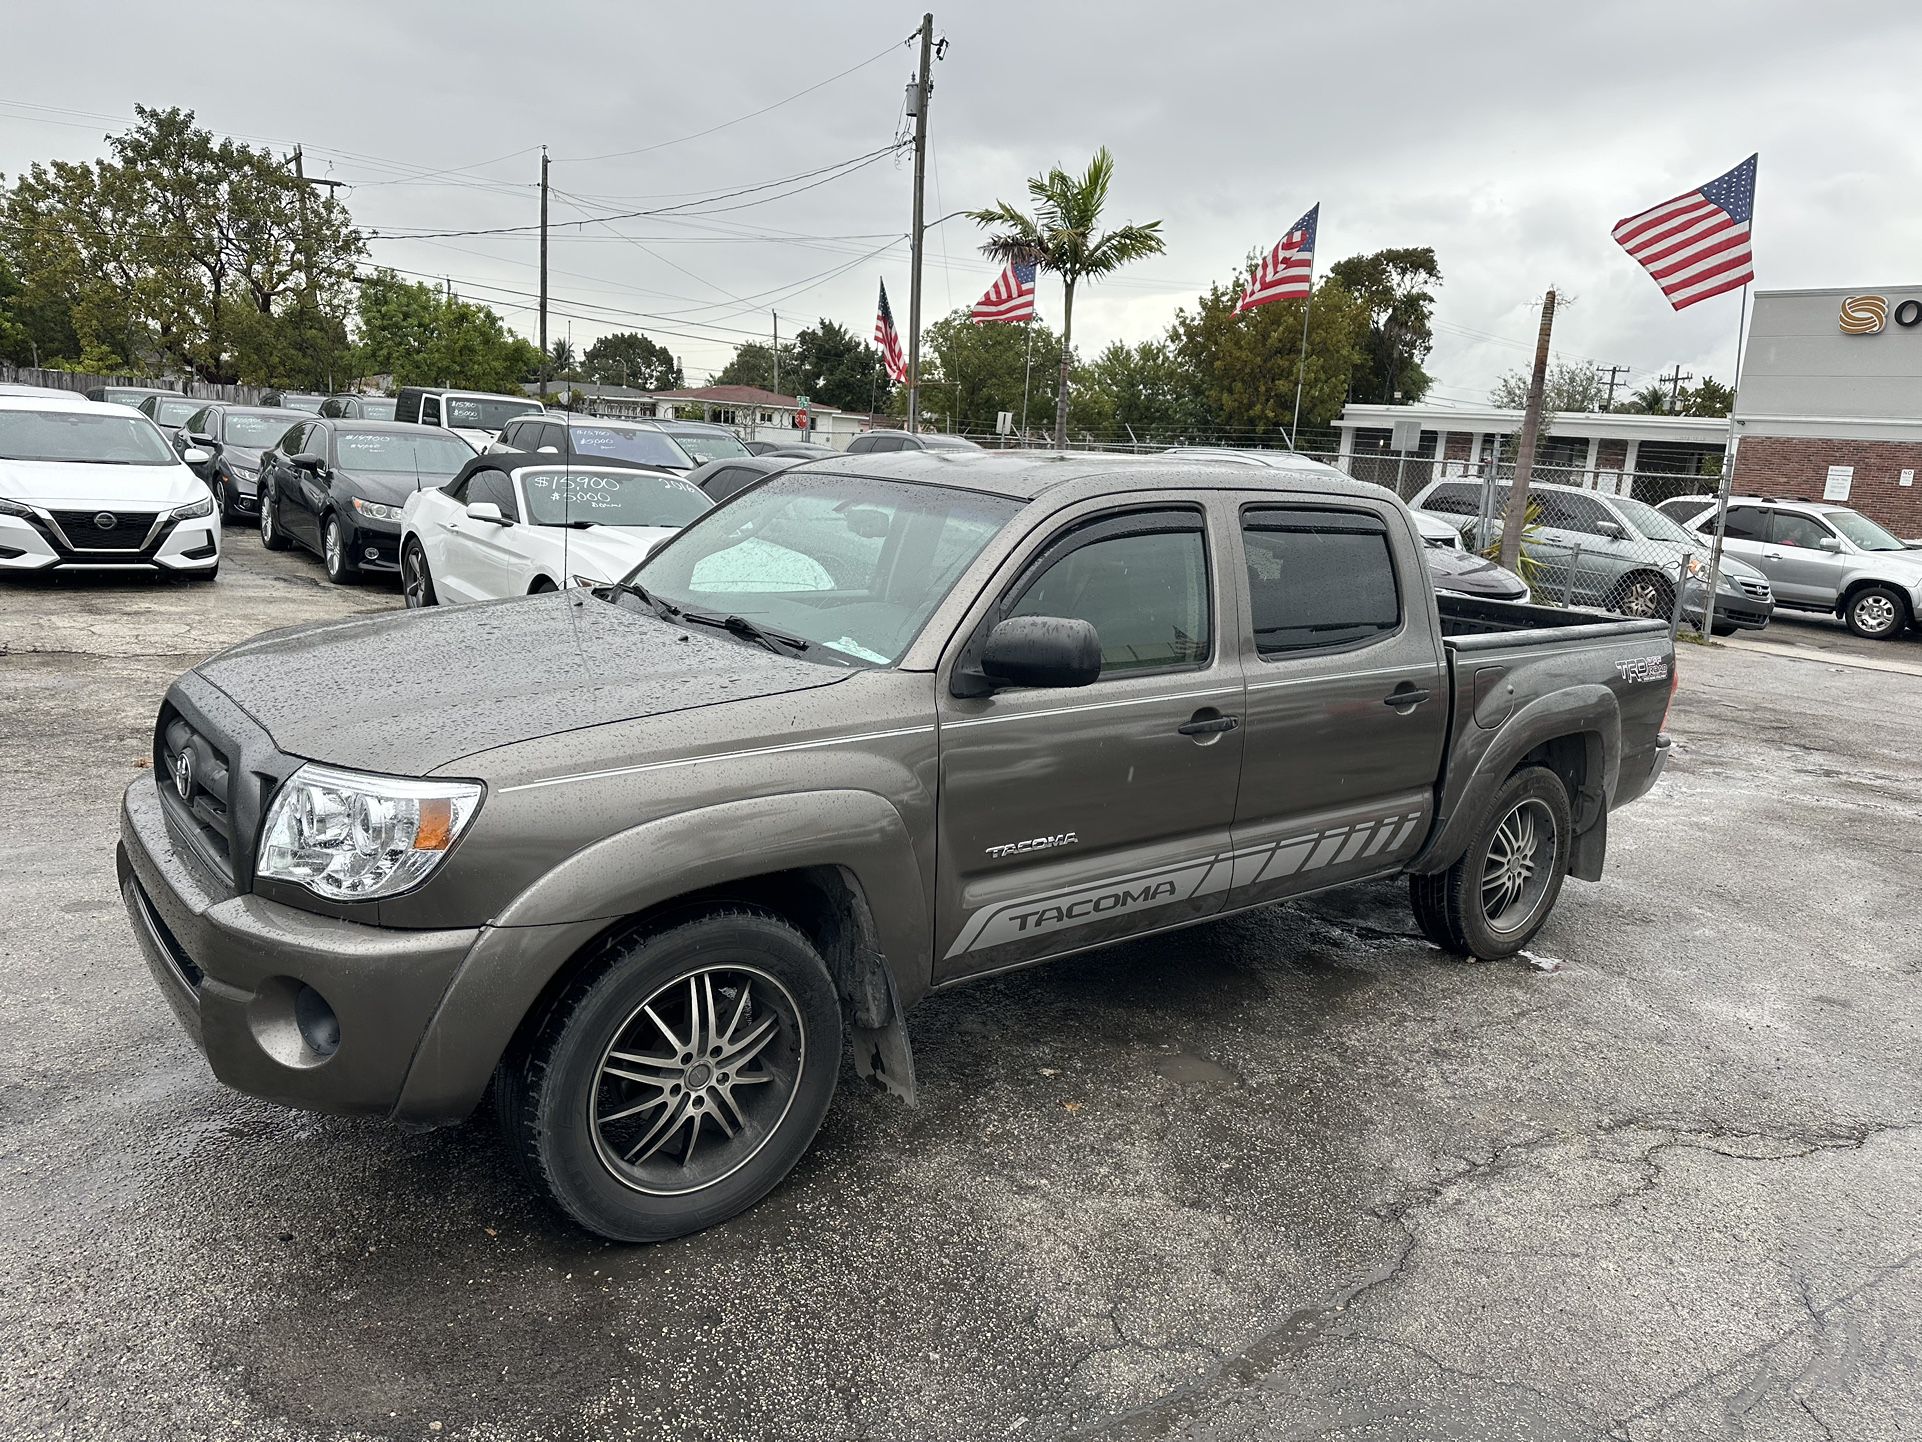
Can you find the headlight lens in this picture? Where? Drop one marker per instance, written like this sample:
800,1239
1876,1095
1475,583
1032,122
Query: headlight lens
245,472
202,507
13,508
589,583
376,510
349,837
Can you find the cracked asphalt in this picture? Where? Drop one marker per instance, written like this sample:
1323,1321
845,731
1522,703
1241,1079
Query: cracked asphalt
1289,1175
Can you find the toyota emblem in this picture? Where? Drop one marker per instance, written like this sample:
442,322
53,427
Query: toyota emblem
184,775
106,520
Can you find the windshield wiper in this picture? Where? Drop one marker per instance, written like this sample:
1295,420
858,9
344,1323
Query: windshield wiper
748,630
635,588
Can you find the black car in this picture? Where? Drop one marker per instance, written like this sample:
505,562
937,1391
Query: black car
359,408
903,441
594,439
336,487
798,450
234,436
721,479
305,402
705,441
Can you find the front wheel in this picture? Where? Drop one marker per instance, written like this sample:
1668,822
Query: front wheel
679,1078
1493,900
1644,595
333,552
270,533
1876,613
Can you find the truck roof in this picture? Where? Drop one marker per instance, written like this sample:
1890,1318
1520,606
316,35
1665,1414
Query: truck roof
1025,475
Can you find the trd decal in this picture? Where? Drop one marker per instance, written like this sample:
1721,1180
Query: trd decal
1039,843
1183,881
1643,668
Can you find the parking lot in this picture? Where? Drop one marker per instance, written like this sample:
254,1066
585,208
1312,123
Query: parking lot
1292,1174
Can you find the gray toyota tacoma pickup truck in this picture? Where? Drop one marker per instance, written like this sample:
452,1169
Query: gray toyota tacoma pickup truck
650,857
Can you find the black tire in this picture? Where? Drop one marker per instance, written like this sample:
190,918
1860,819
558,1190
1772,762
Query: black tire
333,552
1876,613
1645,595
271,536
1452,906
223,500
416,580
552,1085
1725,628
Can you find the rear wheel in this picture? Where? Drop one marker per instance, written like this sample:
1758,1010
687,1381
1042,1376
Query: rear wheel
679,1078
416,582
270,532
541,586
1493,900
1876,613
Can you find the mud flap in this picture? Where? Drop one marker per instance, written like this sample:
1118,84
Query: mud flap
881,1054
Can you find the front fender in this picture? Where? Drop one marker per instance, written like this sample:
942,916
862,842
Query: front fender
645,867
1489,757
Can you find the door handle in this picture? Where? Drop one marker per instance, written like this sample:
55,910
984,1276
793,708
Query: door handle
1208,725
1405,695
1771,555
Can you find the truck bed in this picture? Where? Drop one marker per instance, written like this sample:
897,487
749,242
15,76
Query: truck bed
1468,624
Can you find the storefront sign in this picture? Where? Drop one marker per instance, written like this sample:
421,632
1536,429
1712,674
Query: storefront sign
1871,314
1836,487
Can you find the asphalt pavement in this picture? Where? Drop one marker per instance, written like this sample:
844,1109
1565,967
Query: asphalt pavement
1291,1174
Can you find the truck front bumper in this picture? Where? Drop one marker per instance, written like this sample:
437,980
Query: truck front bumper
290,1006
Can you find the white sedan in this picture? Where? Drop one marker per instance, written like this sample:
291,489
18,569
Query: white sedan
506,529
86,486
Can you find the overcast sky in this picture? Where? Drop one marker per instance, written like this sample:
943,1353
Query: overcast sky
1510,136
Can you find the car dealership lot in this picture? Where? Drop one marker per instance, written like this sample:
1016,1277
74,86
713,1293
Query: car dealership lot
1290,1174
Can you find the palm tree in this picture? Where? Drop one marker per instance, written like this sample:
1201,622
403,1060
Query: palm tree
1061,236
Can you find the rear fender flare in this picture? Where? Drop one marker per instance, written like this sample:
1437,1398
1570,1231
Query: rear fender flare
1587,711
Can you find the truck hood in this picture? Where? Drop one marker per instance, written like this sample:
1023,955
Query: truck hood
412,691
88,483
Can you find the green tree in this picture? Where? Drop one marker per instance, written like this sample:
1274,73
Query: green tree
1142,393
1064,237
970,372
560,360
1650,400
1244,366
753,365
835,367
628,358
1569,386
1395,287
421,336
1710,398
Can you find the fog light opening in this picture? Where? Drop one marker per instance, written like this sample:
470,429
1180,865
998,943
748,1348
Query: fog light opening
372,553
319,1027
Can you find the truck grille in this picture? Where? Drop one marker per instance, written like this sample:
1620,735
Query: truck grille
122,531
195,782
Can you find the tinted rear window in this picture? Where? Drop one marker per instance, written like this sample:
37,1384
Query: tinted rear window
1319,578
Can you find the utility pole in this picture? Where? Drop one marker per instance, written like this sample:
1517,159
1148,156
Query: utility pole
544,356
1517,514
301,182
1675,387
1615,374
923,91
777,350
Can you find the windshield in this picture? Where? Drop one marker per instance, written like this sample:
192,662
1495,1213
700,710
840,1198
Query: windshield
399,451
374,408
650,448
1861,530
242,428
484,413
111,440
1652,523
707,446
609,498
852,566
173,413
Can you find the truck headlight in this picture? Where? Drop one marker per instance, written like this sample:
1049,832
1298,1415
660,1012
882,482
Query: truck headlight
351,837
193,509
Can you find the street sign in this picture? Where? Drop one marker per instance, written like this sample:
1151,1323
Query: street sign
1406,437
1004,423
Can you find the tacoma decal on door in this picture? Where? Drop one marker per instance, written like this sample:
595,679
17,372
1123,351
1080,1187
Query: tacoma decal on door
1379,836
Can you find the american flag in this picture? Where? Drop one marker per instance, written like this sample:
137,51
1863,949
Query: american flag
889,341
1697,245
1011,297
1286,272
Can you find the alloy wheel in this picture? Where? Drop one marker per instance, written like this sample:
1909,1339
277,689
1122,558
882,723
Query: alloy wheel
266,517
413,579
330,547
1517,868
1875,613
697,1079
1642,600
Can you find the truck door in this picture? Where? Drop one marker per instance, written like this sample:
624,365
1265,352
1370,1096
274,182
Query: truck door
1347,709
1071,817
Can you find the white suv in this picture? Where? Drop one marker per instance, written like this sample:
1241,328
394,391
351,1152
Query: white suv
1818,557
93,486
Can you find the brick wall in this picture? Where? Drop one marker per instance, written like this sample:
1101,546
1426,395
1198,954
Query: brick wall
1798,466
1461,446
1611,455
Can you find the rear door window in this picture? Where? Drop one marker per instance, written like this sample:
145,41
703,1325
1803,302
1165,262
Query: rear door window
1745,523
1319,579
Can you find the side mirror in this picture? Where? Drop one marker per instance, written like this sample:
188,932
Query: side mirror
1612,530
194,456
200,439
486,511
1827,543
1042,651
548,451
308,461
